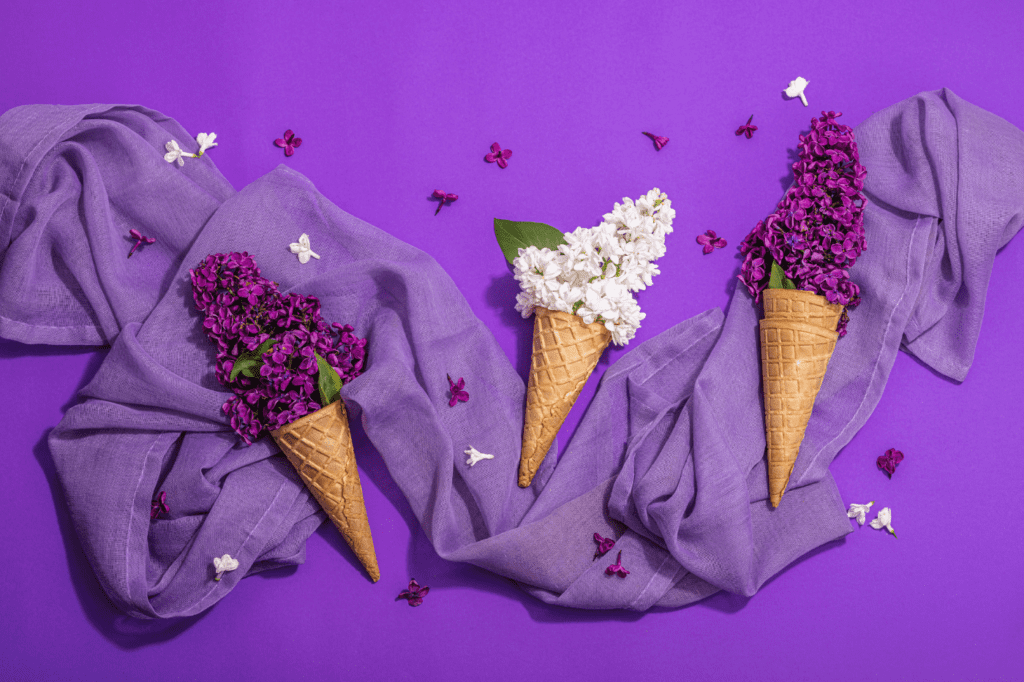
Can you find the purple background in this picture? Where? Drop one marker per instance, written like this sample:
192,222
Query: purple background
394,100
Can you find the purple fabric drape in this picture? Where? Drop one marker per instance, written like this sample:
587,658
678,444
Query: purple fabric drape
669,458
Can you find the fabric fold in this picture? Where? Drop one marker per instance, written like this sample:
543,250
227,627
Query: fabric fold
73,181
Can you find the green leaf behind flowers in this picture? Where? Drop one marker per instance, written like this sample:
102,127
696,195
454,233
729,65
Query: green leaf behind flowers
329,382
249,362
513,236
778,279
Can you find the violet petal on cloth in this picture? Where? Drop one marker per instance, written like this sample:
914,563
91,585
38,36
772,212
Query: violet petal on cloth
668,460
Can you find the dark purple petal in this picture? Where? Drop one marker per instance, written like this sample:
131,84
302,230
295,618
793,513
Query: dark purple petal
604,545
889,461
658,140
297,142
502,163
617,567
414,594
280,143
495,148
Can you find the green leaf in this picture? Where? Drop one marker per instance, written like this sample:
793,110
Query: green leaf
329,381
251,360
778,279
513,236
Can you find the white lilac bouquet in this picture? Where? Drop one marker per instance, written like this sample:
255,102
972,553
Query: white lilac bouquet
596,270
579,286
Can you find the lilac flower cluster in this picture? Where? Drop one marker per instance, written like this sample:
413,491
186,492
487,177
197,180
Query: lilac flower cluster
243,310
817,231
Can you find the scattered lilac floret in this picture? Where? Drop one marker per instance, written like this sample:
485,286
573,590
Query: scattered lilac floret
444,198
159,506
476,456
884,520
302,249
859,512
747,129
414,594
604,545
658,140
617,567
498,155
224,564
889,461
711,241
796,88
140,239
459,394
206,141
175,153
289,142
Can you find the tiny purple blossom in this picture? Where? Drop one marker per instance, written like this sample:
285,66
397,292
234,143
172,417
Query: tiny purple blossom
604,545
747,129
288,143
658,140
414,594
889,461
617,567
159,506
457,388
711,241
444,198
140,239
499,155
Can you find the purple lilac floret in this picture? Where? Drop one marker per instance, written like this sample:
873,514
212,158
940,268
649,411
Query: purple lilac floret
889,461
816,233
242,309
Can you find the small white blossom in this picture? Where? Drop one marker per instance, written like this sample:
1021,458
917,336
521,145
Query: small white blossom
596,271
796,89
175,153
884,520
476,456
859,512
301,248
206,141
224,564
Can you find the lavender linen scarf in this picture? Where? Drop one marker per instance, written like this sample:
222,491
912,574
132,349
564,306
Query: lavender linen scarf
677,416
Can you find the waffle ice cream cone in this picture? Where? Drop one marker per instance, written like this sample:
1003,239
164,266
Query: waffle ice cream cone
320,448
565,352
797,339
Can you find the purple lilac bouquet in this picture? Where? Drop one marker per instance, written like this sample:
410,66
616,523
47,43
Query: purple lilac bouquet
273,350
817,231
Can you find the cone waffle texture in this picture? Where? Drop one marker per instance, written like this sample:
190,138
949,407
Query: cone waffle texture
320,448
797,339
565,352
